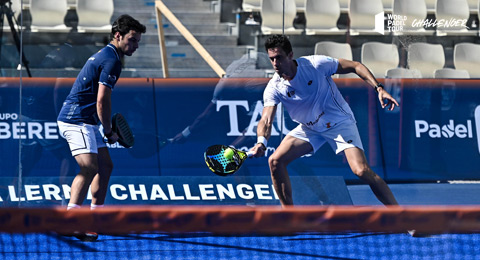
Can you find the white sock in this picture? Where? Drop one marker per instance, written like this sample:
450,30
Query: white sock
93,206
72,206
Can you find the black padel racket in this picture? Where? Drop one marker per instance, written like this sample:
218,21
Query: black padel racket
223,160
121,127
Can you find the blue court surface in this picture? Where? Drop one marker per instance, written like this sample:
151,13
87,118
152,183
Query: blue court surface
451,193
207,246
298,246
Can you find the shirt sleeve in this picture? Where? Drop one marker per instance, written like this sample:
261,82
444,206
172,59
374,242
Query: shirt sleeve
269,96
110,73
325,64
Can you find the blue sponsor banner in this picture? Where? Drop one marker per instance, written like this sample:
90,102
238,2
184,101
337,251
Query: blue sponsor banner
433,136
440,124
199,190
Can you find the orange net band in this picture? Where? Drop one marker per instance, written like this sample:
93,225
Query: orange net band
243,220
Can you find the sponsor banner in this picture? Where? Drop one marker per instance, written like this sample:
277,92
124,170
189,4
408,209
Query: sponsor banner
434,136
196,113
148,190
439,134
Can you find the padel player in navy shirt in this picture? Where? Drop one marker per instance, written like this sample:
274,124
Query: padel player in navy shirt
87,106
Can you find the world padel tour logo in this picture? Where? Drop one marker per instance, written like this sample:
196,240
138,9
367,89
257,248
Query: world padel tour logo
398,23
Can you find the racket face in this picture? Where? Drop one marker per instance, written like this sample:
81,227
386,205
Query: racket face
219,164
121,127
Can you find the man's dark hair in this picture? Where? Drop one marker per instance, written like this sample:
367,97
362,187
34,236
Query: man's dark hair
280,41
124,24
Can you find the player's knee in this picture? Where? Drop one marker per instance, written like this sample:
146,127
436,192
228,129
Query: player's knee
272,161
362,171
89,170
275,162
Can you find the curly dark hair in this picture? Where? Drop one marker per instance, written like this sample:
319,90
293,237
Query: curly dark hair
278,41
124,24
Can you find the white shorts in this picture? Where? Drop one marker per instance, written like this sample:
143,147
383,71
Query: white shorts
340,137
81,138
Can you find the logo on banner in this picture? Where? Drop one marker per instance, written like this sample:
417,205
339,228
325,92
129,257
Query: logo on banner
234,106
451,129
448,130
149,192
12,128
397,23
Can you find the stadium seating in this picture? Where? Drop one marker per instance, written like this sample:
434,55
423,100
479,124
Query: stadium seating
272,17
321,20
336,50
473,6
426,58
94,16
453,9
362,15
48,15
379,57
300,5
344,5
449,73
430,6
387,5
466,56
251,5
413,10
403,73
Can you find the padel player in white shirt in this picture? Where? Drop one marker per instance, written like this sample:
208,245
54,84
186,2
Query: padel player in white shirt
305,88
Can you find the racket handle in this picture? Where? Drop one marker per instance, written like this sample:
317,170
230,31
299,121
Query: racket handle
249,153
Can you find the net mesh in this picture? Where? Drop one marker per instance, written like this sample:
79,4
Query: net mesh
234,232
208,246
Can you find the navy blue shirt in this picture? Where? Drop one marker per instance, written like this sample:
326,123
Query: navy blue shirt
80,106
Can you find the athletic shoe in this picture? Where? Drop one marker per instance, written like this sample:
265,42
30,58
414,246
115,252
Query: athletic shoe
86,236
415,233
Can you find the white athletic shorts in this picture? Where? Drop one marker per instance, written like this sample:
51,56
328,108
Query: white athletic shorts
83,138
340,137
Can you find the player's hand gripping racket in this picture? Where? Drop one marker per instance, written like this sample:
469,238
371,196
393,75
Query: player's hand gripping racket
224,160
121,127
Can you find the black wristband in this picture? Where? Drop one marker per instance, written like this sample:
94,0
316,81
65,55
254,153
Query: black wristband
109,134
379,85
263,145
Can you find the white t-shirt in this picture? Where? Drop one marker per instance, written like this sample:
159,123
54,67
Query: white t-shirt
311,97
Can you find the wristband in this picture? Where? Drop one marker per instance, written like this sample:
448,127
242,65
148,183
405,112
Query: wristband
186,132
379,85
262,140
109,134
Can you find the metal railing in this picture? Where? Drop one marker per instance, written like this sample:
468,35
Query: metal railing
162,9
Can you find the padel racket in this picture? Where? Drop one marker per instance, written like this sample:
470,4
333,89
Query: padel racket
224,163
121,127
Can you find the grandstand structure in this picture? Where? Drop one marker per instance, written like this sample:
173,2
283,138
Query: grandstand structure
229,29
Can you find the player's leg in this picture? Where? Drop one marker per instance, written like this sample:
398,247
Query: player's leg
83,142
359,165
88,163
289,149
99,186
